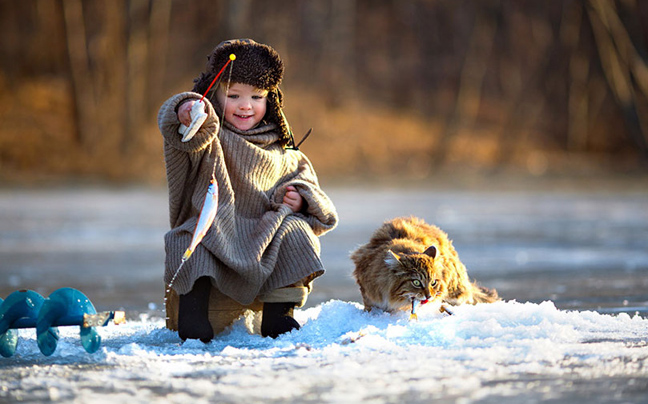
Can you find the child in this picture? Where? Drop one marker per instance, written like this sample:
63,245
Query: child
263,243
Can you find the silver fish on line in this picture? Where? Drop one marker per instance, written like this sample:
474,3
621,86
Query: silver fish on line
205,220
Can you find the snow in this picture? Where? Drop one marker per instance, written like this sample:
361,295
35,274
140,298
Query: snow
501,352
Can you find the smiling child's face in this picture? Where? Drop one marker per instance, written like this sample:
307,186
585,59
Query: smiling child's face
245,106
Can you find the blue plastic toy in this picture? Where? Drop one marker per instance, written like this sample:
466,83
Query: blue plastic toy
64,307
9,338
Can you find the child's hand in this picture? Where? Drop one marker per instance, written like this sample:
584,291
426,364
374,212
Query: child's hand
293,199
184,112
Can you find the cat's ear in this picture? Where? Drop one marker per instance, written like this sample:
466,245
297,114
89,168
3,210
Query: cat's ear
392,259
431,251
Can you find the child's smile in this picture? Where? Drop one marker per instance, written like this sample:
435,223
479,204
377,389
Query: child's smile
245,106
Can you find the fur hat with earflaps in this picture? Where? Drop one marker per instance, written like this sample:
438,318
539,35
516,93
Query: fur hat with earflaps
257,65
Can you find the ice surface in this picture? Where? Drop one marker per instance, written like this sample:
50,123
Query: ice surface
585,251
501,352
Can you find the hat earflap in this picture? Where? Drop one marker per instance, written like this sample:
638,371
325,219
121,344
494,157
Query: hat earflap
274,114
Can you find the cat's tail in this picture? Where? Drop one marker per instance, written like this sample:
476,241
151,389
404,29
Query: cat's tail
484,295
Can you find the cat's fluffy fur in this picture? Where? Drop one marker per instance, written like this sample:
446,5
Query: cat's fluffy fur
407,259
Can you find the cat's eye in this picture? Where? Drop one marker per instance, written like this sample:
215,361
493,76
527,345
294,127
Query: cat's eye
416,283
435,282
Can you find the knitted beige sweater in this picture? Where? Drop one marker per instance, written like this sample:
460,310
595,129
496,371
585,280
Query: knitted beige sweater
256,244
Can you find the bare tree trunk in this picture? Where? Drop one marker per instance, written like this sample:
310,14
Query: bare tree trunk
471,82
83,86
136,105
339,52
159,27
110,74
621,64
237,17
527,97
578,102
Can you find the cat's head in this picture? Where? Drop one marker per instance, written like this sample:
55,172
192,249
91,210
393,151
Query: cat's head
416,277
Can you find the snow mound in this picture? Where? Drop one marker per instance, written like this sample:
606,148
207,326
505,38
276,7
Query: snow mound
344,354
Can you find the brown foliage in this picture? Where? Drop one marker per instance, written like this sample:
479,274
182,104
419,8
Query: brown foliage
391,88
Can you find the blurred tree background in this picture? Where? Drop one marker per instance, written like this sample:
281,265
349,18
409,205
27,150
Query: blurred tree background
392,88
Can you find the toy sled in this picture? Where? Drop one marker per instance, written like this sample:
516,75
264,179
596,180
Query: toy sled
223,310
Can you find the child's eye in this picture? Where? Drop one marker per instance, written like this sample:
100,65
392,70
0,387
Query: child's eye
233,96
258,97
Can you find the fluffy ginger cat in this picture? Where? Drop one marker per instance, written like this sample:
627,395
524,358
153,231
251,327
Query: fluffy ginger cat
408,261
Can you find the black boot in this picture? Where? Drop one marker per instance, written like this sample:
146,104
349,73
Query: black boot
277,319
193,318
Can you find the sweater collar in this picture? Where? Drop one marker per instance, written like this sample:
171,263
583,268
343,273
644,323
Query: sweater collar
263,135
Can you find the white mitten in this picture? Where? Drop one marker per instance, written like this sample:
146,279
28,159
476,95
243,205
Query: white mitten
198,117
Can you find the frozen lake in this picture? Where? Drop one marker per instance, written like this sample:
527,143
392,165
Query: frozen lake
583,251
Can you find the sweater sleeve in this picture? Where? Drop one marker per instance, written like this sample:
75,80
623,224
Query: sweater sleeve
183,159
320,212
168,123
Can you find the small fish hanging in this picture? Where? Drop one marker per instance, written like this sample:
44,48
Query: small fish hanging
205,220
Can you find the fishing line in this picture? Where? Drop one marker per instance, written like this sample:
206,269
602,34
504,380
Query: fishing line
222,118
232,57
188,253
